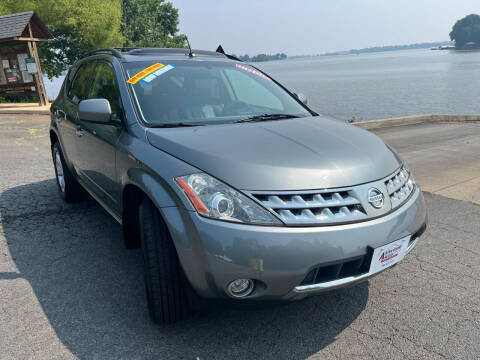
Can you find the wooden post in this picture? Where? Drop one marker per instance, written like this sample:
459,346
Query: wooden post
38,78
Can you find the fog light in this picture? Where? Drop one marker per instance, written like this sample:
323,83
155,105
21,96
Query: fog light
240,287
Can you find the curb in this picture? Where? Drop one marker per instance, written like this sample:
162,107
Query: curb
414,119
367,125
24,108
24,112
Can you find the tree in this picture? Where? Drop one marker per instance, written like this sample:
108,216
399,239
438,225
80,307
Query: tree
82,26
150,23
263,57
78,27
466,30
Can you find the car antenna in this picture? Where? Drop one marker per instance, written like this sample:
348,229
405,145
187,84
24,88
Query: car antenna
190,53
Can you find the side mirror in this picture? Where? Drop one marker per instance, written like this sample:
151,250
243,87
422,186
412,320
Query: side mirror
95,110
301,97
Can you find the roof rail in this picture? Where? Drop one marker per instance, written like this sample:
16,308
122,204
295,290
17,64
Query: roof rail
117,52
172,51
111,51
125,49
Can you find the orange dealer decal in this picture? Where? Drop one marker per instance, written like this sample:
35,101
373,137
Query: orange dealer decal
140,75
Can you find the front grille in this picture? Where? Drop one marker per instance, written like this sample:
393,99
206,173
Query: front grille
314,207
338,205
351,267
399,186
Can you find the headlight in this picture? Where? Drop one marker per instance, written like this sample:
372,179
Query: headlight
216,200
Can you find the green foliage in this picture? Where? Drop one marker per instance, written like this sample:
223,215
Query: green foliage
465,31
150,23
82,26
78,27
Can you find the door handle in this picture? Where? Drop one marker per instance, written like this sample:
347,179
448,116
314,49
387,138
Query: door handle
79,132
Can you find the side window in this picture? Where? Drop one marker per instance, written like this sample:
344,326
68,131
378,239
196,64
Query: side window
69,79
252,92
78,91
104,86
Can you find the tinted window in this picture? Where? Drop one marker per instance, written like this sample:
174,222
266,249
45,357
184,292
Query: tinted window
104,86
69,79
205,92
78,91
252,92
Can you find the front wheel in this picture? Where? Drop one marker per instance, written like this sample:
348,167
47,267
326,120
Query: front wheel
70,189
164,278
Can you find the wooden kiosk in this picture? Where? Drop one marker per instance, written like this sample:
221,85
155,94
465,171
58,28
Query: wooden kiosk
20,70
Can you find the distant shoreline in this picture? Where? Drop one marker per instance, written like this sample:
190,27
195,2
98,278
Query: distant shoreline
377,49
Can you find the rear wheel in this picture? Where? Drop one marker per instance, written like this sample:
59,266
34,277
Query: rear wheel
70,189
166,285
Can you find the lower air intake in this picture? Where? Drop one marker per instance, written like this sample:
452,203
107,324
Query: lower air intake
351,267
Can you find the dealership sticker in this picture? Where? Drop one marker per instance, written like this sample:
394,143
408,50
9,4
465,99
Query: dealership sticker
140,75
157,73
253,71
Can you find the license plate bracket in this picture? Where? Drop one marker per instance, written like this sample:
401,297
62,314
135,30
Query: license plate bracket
388,255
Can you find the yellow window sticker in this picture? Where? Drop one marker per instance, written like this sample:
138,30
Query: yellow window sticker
140,75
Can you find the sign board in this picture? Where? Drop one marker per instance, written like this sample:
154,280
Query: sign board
20,71
31,66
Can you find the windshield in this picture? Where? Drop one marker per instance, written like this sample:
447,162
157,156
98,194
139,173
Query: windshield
206,92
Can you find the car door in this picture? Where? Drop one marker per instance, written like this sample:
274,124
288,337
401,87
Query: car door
66,115
96,143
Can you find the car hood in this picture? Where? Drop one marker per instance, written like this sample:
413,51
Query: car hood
295,154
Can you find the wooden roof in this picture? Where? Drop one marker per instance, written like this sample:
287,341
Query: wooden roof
15,27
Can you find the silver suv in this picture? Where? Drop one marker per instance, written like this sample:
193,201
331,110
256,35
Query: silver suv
229,183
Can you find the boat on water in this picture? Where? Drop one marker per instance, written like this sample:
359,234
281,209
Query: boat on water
444,47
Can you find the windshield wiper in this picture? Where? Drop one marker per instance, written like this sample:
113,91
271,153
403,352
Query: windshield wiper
266,117
177,124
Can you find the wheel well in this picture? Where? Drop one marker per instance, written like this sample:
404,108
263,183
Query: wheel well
53,137
132,197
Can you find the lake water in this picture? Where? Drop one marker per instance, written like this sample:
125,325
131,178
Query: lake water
389,84
379,85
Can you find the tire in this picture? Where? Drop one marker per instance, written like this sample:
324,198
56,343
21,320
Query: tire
70,190
164,278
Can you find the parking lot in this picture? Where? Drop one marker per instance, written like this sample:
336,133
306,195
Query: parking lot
69,289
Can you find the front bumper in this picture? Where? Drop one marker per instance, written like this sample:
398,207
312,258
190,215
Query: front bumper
213,253
350,280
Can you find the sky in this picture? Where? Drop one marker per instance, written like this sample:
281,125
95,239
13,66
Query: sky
316,26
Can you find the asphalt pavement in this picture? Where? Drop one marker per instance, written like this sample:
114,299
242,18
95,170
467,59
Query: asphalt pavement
69,289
